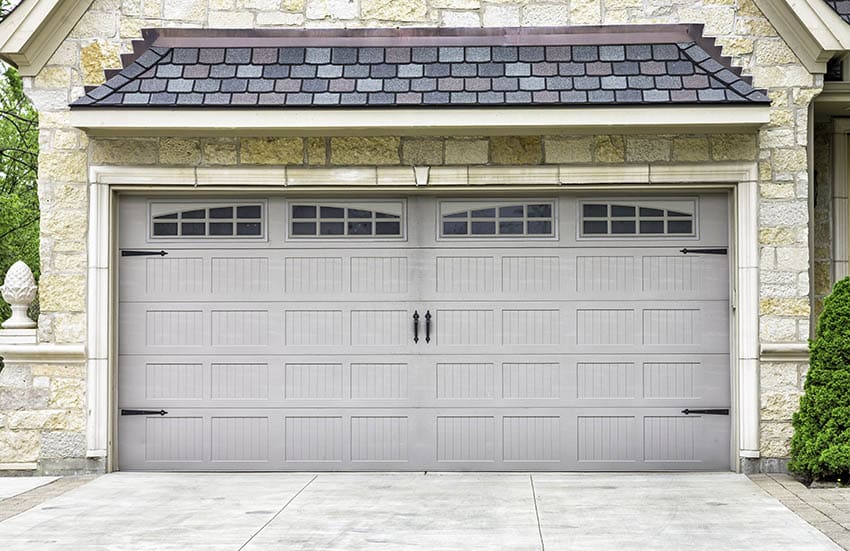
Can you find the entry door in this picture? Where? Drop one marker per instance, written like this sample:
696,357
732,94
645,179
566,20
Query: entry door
542,333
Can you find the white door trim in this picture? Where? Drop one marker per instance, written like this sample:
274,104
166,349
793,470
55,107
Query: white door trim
106,181
839,200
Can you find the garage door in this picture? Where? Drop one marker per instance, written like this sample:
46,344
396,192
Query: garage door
426,333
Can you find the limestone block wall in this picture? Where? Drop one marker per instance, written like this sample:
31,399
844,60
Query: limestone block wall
110,25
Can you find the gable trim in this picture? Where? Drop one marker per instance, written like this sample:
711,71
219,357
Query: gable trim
34,30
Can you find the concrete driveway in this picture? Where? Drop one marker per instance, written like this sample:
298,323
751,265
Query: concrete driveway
134,511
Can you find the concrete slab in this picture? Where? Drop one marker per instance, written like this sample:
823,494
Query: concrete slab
399,511
11,486
667,512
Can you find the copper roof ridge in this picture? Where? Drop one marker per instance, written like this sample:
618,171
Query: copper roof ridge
424,36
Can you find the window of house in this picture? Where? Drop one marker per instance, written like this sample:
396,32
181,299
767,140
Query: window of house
218,221
501,219
637,218
345,220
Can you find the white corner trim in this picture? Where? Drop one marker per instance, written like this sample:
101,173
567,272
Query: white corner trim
104,121
840,200
35,29
42,353
746,317
784,352
18,466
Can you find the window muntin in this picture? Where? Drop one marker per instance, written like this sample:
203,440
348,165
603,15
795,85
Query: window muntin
503,219
345,220
214,221
623,218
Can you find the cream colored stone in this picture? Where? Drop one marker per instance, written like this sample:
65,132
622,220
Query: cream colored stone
774,52
293,5
67,393
67,196
735,47
179,151
784,76
647,149
456,4
316,151
19,446
773,329
221,152
279,19
516,150
63,166
222,5
152,8
69,327
231,19
460,18
394,10
74,371
64,224
67,420
779,405
718,20
415,151
467,152
534,15
97,56
272,151
610,149
184,10
754,26
69,262
500,16
66,139
790,160
586,12
615,5
331,9
95,25
733,147
690,149
53,77
365,151
792,258
125,151
785,306
770,190
569,150
62,292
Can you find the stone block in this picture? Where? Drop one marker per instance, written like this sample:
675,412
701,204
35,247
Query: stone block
67,393
74,371
500,16
221,152
331,9
783,213
516,150
790,160
69,327
279,19
184,10
23,398
94,25
419,152
785,306
65,224
779,406
394,10
467,152
777,330
53,77
792,258
610,149
231,19
733,147
272,151
779,376
542,15
57,444
689,149
62,292
19,376
63,166
647,149
460,18
569,149
179,151
19,446
456,4
124,152
97,56
773,52
316,151
293,5
365,151
587,12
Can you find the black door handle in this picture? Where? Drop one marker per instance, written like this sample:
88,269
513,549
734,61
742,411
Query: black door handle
144,412
416,326
706,411
428,326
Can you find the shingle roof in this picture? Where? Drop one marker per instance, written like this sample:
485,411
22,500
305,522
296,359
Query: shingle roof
425,67
841,7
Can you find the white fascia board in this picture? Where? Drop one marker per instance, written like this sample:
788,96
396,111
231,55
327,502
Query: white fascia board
103,121
811,28
35,29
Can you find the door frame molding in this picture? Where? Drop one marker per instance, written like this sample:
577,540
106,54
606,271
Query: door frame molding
839,203
106,182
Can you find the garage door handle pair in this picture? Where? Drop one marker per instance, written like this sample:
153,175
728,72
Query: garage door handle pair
416,326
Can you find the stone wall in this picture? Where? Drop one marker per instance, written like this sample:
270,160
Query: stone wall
822,223
108,28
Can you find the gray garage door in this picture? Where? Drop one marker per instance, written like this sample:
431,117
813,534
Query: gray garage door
530,333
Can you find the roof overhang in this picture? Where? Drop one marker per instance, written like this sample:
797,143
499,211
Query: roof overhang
33,31
810,27
399,121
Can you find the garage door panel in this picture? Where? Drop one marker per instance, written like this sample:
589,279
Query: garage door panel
541,352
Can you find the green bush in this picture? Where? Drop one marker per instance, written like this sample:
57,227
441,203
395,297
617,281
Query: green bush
820,448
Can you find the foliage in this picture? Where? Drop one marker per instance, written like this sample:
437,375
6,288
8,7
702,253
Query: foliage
820,448
19,213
